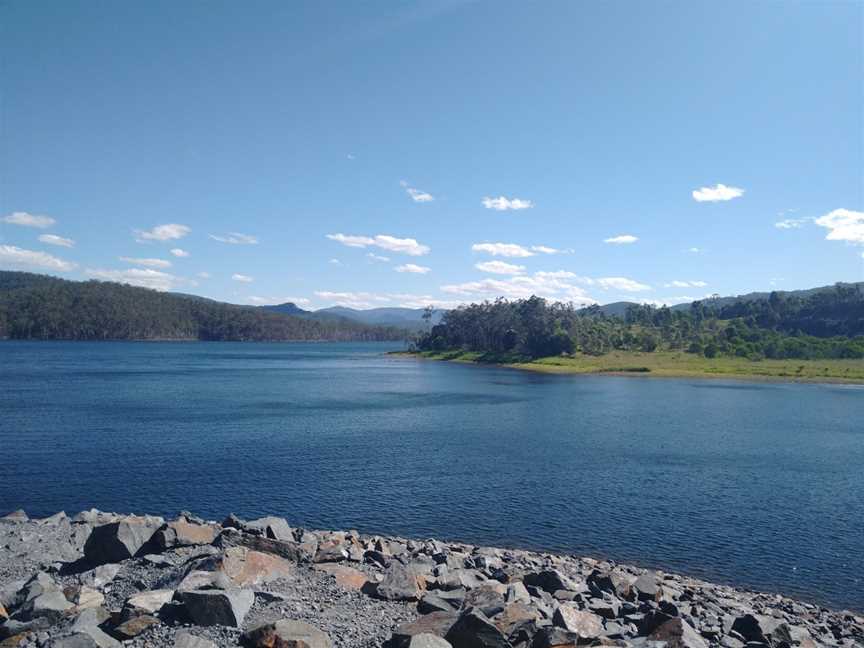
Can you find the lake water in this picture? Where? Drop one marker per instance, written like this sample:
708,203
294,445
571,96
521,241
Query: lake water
754,484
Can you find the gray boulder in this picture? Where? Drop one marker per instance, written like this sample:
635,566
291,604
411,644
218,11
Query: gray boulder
435,623
18,516
275,528
548,580
185,639
100,576
146,603
584,624
286,633
75,640
399,584
647,588
218,607
51,605
115,542
677,633
426,640
474,630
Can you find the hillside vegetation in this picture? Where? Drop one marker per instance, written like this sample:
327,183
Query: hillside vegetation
46,308
828,324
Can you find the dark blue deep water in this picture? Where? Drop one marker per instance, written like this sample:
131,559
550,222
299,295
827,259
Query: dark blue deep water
755,484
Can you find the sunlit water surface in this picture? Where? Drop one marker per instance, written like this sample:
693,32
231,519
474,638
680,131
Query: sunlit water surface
755,484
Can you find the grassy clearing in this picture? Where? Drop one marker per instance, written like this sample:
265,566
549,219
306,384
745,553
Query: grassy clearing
671,364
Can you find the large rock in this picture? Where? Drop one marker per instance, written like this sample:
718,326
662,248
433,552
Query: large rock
515,615
199,579
115,542
18,516
677,633
647,588
290,550
100,576
74,640
331,551
426,640
615,582
754,628
147,603
400,584
185,639
135,626
346,577
487,599
285,634
584,624
474,630
548,580
183,533
218,607
435,623
246,567
51,605
275,528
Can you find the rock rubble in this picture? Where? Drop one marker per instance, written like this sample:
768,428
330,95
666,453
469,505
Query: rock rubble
106,580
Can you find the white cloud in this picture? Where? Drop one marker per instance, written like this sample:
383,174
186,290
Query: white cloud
377,257
843,225
242,278
53,239
623,239
179,252
407,246
169,232
502,249
416,194
622,283
266,301
412,268
670,301
503,204
695,250
204,275
144,278
500,267
352,241
677,283
351,156
545,249
792,223
550,285
352,299
717,193
29,220
422,301
334,262
147,263
235,238
16,258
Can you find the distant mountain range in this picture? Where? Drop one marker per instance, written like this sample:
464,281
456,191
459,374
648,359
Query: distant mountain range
405,318
44,307
412,318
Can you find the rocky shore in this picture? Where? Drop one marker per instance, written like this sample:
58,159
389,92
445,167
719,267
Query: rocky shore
105,580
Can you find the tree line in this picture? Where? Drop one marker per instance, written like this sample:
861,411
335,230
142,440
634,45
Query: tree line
825,324
47,308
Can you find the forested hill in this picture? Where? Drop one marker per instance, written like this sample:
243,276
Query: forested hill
40,307
823,324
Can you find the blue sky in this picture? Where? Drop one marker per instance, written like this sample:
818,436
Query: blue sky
405,153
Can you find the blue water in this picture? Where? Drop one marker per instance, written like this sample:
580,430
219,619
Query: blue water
754,484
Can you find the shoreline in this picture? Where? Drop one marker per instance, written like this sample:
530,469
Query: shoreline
549,367
147,581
